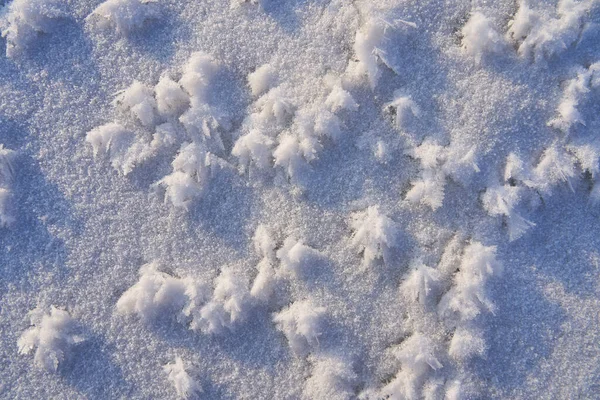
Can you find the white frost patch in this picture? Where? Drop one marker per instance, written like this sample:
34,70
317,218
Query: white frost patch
405,109
125,16
23,20
466,343
340,99
437,164
468,298
255,149
139,100
262,79
192,170
503,201
417,356
480,37
171,99
555,166
51,335
540,35
368,47
332,378
229,303
154,293
374,235
574,93
186,386
112,139
296,258
267,278
301,324
420,284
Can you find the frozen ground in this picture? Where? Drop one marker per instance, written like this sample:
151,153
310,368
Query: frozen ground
288,199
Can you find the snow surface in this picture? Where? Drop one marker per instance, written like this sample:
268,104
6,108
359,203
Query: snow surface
299,199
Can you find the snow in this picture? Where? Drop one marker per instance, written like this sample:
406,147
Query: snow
51,336
23,20
301,323
124,16
480,37
299,199
185,385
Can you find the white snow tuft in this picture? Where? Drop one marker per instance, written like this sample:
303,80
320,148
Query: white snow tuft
297,259
139,100
480,37
301,324
23,20
155,292
186,386
417,356
332,378
469,298
420,284
125,16
51,335
503,200
539,35
374,235
171,99
405,108
262,79
112,139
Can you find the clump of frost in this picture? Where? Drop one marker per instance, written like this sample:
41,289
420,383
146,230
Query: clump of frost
296,258
23,20
574,93
480,37
420,284
52,336
198,75
171,99
374,235
262,79
466,343
468,298
503,201
417,356
193,168
368,43
125,16
255,149
202,120
588,157
313,126
155,292
229,303
186,386
437,164
404,107
555,166
197,295
266,279
274,105
340,99
112,139
539,35
138,99
301,323
332,378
